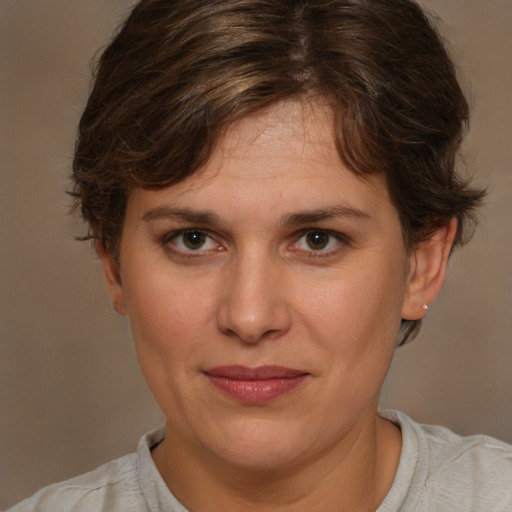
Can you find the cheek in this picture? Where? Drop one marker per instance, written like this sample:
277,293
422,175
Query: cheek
167,314
355,303
168,319
355,318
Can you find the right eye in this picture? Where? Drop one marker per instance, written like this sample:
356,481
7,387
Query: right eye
192,240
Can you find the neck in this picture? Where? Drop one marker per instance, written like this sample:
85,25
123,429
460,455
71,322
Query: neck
354,474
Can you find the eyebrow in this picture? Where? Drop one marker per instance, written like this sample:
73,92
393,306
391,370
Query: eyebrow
316,215
185,214
293,218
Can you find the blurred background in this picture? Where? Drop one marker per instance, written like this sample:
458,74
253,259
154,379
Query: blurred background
71,394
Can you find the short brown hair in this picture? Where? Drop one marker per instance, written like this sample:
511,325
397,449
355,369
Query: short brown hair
179,72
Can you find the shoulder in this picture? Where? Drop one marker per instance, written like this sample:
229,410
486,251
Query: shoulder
114,482
468,473
129,484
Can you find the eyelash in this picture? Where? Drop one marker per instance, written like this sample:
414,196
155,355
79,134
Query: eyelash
191,253
340,239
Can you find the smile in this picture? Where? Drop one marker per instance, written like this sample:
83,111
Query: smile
255,385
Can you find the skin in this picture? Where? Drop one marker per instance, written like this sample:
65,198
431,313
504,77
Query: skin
299,263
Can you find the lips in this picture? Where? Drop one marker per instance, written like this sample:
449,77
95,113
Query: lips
255,385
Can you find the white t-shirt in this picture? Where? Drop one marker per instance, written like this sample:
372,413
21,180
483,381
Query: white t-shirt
439,471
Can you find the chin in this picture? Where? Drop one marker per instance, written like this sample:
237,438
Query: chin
258,445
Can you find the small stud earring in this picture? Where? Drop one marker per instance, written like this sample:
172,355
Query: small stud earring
425,307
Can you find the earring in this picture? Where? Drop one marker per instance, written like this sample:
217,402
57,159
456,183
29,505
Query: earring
425,307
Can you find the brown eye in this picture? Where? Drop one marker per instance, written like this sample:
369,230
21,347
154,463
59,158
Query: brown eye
194,239
320,242
317,240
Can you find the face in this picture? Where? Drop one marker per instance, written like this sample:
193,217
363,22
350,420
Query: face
265,293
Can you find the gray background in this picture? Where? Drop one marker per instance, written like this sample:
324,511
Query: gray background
71,395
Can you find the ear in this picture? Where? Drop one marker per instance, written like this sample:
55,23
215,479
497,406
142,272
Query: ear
427,270
112,278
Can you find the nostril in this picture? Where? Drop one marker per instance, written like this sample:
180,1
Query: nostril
255,326
253,305
250,336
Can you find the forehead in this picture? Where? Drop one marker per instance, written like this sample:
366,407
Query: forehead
292,138
307,128
275,161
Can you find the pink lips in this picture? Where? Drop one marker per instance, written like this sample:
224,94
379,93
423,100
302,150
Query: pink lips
255,385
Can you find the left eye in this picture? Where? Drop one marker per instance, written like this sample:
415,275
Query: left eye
193,240
317,241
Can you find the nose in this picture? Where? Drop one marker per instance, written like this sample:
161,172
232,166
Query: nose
253,305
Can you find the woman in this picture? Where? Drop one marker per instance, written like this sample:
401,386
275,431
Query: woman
271,189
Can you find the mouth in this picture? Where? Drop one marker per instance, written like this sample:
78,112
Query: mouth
257,385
